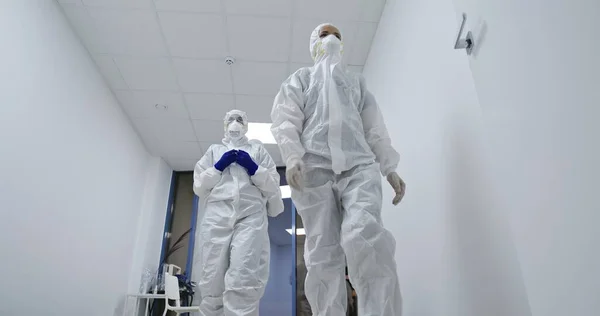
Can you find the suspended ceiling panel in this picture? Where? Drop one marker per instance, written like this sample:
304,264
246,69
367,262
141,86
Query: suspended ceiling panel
164,59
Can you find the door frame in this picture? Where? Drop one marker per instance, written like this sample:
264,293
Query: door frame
167,227
294,260
192,238
168,218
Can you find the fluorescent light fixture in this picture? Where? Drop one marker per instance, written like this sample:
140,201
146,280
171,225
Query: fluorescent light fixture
262,132
286,193
299,231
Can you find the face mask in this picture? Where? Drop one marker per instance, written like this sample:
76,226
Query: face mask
331,44
235,130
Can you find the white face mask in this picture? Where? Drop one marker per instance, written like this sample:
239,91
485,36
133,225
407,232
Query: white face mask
331,44
235,130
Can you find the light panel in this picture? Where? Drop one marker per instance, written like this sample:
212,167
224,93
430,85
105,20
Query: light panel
299,231
286,192
262,132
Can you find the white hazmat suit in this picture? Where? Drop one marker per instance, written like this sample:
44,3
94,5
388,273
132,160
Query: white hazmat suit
332,136
238,185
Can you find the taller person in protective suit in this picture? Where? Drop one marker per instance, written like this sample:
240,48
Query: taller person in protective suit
335,144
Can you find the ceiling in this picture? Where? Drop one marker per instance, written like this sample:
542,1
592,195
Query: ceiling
171,53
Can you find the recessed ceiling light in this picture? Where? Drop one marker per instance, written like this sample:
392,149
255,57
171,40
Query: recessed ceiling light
161,107
286,192
299,231
262,132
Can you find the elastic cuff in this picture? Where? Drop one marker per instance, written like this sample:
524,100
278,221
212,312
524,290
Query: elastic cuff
292,159
259,176
386,172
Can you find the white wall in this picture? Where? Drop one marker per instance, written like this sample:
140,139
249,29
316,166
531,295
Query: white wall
150,225
454,249
74,175
541,100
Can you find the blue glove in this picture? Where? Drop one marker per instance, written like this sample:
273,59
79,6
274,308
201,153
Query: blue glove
227,159
244,160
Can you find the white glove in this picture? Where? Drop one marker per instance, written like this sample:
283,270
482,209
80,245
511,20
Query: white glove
294,173
398,185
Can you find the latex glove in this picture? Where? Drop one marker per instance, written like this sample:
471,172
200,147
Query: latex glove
398,185
227,159
244,160
294,174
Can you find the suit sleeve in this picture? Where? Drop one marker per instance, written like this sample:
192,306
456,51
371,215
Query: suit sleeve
206,177
376,133
267,180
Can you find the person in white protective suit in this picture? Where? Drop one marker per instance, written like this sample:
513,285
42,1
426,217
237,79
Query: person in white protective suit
238,185
334,141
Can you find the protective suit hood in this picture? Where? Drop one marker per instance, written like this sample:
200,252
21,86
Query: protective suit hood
318,50
235,121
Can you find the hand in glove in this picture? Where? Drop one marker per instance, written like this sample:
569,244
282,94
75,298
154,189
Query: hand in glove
227,159
244,160
398,185
294,174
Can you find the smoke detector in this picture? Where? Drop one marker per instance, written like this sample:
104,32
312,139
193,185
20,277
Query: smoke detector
161,107
229,60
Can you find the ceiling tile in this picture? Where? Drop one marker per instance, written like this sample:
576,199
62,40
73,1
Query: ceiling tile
121,4
175,130
71,2
193,35
174,149
301,38
362,43
295,66
161,144
161,130
260,7
357,69
209,131
142,104
178,164
147,73
206,145
259,38
302,29
370,10
210,6
185,150
132,32
111,73
259,78
209,106
257,107
345,10
349,39
208,76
